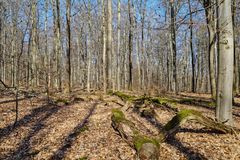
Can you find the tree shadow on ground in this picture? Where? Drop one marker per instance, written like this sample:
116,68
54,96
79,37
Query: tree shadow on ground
13,100
4,132
69,140
42,114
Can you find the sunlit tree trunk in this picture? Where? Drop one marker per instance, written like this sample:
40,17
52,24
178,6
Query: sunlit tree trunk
109,40
119,45
89,43
225,66
104,48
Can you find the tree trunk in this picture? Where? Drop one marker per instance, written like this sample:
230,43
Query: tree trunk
104,48
173,45
130,44
68,30
236,55
191,47
118,45
225,65
210,19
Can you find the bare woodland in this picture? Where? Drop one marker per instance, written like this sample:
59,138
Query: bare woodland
119,79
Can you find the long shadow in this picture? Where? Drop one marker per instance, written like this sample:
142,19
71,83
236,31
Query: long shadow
23,151
190,130
4,132
188,152
13,100
195,97
68,141
191,155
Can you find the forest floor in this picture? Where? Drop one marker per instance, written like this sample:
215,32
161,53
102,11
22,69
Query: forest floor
82,130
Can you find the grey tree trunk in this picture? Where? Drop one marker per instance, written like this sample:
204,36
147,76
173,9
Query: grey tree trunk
104,48
118,45
225,65
109,40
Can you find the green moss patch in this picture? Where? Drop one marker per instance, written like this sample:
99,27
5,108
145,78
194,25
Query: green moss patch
62,100
139,140
118,115
179,118
124,96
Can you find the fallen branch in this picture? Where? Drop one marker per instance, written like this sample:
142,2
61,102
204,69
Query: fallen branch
147,148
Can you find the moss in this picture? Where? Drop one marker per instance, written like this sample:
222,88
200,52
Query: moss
186,101
61,100
110,92
83,158
123,96
163,101
139,140
181,116
149,113
212,104
84,128
118,115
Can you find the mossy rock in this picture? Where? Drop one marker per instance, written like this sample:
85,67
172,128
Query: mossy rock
83,158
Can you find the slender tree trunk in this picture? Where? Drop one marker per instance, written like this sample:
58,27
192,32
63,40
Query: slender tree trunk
210,19
191,48
118,45
236,55
104,48
225,65
47,57
109,39
89,48
68,30
143,4
130,41
34,43
173,45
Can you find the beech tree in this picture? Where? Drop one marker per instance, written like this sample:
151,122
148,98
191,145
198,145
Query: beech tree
225,66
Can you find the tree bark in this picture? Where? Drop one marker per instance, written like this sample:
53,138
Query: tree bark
191,47
210,19
225,63
130,44
173,45
68,29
